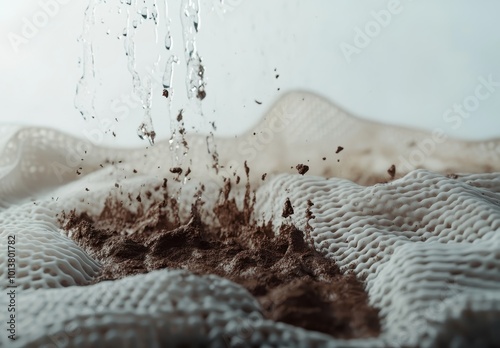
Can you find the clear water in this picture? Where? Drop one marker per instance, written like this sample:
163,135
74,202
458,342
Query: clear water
153,73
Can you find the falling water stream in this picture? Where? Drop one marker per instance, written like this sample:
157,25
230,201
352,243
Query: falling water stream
86,89
156,77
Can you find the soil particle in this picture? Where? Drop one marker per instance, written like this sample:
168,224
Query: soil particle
302,168
176,170
392,171
287,208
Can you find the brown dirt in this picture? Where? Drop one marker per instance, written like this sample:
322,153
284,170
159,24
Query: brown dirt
392,171
302,169
293,282
287,209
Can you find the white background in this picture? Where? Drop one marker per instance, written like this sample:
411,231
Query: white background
428,58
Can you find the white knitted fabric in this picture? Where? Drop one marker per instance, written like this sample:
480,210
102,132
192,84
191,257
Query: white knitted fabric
426,246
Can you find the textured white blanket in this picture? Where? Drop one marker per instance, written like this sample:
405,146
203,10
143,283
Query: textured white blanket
426,245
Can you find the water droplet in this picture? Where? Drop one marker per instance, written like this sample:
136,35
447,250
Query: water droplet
144,13
146,132
190,48
168,41
168,73
135,23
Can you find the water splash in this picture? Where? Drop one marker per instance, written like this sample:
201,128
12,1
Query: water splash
146,80
168,36
169,71
195,77
142,87
86,87
178,145
190,18
177,140
145,129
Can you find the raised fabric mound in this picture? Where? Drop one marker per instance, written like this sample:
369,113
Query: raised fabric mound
426,245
